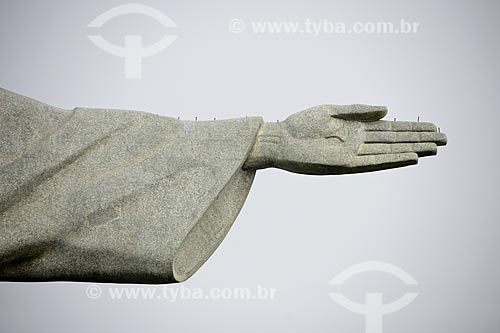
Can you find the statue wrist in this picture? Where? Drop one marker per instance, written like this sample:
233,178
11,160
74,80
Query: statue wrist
268,146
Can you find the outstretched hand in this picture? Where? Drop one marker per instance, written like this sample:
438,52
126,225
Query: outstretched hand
340,139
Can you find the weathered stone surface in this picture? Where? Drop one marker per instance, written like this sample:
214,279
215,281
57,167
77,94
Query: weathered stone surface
127,196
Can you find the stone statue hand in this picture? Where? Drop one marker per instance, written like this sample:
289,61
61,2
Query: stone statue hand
342,139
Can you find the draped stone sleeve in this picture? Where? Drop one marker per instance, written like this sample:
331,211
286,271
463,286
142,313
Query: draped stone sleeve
115,196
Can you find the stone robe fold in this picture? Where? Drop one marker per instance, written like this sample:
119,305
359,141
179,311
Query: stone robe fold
117,196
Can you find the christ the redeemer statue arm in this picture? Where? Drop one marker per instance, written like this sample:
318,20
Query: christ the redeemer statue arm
130,197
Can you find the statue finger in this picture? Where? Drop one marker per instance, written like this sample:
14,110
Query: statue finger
384,161
400,126
357,112
405,137
421,148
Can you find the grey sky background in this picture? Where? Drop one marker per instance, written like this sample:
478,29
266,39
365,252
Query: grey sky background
439,221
